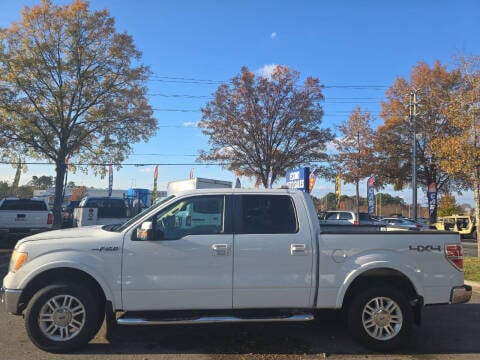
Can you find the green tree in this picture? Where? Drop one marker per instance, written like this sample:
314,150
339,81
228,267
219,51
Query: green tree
387,199
258,125
71,85
41,182
4,189
355,154
447,205
24,191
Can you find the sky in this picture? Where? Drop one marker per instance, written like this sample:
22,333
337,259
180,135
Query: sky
355,48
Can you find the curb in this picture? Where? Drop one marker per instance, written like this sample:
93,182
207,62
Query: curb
474,284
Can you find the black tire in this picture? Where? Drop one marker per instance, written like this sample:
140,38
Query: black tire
380,318
60,318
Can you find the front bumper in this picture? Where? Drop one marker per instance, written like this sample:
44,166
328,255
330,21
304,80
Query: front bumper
9,300
460,294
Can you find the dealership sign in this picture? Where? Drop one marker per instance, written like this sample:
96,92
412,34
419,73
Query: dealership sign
298,179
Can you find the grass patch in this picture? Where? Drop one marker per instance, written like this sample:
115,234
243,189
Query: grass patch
471,266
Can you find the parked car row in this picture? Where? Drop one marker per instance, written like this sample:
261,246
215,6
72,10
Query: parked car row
394,223
347,217
343,217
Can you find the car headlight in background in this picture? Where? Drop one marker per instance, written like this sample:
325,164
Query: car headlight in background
17,260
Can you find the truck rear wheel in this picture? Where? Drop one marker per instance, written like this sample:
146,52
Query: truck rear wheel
61,317
380,318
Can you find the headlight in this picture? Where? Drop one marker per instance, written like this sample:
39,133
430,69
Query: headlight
17,260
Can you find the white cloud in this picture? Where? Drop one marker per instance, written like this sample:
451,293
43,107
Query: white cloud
267,70
331,147
190,124
273,35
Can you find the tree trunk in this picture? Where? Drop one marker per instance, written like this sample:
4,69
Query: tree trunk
57,203
358,200
476,197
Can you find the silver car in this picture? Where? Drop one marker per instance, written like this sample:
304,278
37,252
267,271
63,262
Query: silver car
393,224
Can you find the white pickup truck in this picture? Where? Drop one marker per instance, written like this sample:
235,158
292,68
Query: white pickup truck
229,255
21,217
100,211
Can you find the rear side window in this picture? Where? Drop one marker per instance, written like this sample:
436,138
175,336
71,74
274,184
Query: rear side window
24,205
346,216
264,214
108,208
365,217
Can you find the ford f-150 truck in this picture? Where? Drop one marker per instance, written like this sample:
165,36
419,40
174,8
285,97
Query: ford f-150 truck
229,255
21,217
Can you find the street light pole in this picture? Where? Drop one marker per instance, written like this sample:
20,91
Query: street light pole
413,121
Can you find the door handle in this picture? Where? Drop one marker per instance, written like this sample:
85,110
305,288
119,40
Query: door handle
298,249
221,249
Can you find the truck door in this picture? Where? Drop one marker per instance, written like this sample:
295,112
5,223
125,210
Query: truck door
181,258
273,254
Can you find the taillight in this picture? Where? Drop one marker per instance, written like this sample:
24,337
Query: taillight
454,255
355,222
50,219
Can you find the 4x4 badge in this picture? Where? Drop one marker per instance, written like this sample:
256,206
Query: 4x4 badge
422,248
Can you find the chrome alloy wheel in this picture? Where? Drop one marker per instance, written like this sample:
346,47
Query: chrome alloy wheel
382,318
62,317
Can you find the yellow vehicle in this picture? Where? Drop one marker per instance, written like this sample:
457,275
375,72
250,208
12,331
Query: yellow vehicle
463,224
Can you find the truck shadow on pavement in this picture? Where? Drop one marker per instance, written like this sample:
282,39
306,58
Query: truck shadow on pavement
445,330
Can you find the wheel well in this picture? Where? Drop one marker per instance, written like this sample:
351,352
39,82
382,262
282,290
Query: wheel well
385,277
59,275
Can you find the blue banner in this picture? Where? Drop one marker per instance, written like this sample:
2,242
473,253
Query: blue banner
298,179
432,201
371,194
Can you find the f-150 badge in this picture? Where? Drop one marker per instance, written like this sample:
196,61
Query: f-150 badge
106,248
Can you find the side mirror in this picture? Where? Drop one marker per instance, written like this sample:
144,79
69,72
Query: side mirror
144,232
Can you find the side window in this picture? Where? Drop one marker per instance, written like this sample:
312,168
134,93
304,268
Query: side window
267,214
201,215
332,216
345,216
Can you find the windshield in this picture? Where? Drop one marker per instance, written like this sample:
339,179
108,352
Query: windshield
120,228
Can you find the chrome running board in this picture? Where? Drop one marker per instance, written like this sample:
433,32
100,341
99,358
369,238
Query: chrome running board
126,320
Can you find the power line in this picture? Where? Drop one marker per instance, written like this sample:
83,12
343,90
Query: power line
181,79
123,164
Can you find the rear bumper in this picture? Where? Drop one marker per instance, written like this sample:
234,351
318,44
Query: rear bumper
460,294
9,300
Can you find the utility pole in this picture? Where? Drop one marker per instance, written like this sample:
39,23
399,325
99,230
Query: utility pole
357,180
413,122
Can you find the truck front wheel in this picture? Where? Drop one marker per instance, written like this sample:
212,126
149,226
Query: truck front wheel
380,318
61,317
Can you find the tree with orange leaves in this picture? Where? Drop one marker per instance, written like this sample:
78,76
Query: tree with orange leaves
79,192
394,142
355,153
459,149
